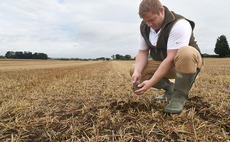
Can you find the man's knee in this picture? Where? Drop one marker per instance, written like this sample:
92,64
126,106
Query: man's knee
185,53
187,60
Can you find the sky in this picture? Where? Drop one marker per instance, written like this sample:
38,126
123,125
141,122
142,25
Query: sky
98,28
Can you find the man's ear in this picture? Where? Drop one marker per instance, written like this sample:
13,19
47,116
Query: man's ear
162,10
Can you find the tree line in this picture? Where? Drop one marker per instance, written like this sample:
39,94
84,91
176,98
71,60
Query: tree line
221,49
121,57
25,55
30,55
114,57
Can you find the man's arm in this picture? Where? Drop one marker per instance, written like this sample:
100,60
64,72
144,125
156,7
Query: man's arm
141,61
163,69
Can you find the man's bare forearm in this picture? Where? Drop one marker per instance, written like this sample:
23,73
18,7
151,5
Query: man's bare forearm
162,70
141,61
164,67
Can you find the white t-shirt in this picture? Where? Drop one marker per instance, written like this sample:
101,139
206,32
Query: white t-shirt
179,36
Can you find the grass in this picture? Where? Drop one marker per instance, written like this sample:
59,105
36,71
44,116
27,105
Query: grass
93,101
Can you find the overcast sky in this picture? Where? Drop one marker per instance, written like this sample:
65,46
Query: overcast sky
98,28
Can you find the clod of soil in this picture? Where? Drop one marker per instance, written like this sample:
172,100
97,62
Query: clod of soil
135,86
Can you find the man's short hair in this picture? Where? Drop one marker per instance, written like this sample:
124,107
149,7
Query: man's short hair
149,5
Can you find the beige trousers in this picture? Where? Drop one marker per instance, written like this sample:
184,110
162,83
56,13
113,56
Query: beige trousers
187,60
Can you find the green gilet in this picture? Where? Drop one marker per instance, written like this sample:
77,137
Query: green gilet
159,52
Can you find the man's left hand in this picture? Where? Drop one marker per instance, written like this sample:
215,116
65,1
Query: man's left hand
144,87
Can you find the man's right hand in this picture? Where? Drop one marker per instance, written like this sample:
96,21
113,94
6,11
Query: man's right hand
135,77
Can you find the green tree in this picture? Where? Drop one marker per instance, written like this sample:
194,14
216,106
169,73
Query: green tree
10,54
222,47
128,57
19,55
40,56
28,55
118,56
25,55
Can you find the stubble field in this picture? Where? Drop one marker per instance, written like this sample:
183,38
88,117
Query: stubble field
93,101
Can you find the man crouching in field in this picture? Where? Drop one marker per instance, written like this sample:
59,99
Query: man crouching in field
175,53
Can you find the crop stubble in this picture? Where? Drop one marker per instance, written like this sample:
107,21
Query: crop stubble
93,101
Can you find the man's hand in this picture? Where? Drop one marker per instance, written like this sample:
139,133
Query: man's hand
162,70
144,86
135,77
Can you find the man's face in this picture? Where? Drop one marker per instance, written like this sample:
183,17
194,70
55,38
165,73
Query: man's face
154,21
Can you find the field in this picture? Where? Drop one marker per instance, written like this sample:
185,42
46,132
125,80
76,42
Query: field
93,101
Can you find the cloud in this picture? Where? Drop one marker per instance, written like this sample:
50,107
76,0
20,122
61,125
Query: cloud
91,29
67,26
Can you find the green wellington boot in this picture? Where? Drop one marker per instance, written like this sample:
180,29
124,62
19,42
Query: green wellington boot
167,86
183,83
